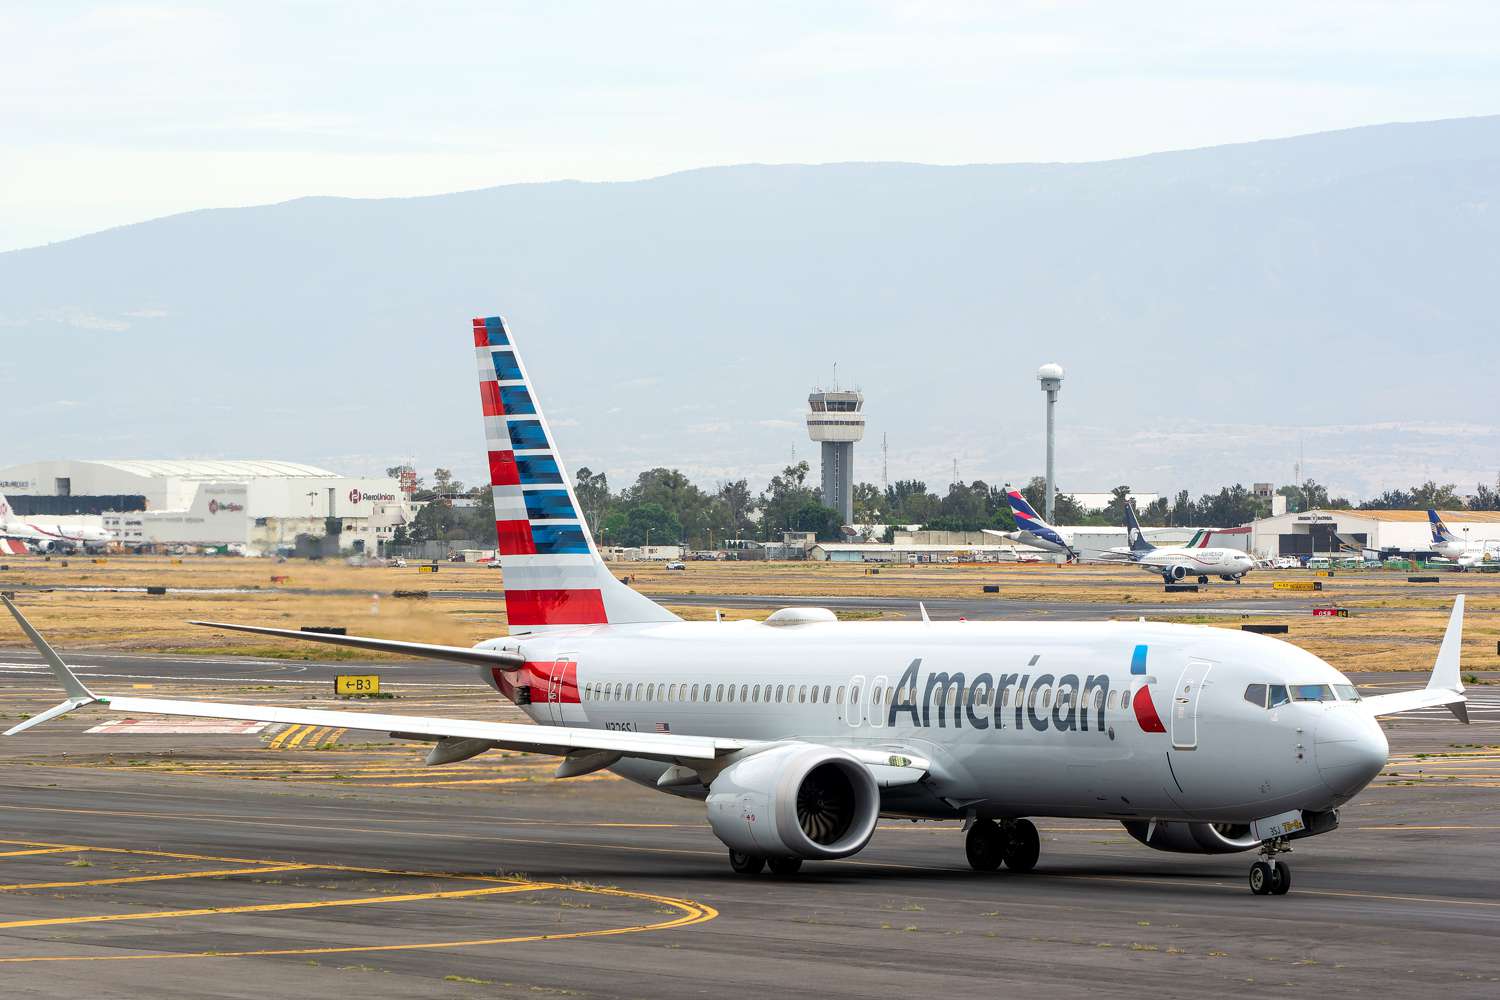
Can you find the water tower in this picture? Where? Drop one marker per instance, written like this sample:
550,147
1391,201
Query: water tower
1051,376
835,418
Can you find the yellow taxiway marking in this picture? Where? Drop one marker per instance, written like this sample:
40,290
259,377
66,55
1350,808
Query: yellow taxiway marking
38,850
337,733
128,879
689,911
281,737
315,904
298,738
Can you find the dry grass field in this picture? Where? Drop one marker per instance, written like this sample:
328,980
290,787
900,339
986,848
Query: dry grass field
90,603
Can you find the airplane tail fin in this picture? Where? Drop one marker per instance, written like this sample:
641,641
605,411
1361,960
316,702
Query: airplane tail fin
1133,533
9,546
1027,519
553,574
1440,531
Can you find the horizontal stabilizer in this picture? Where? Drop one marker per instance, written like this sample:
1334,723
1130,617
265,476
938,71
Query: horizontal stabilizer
459,654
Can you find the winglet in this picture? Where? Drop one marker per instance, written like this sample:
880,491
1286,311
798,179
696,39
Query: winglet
70,683
1445,674
78,694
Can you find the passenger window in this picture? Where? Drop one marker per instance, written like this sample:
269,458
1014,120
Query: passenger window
1255,694
1046,697
802,695
650,689
743,689
841,693
854,694
1279,695
827,690
814,694
780,689
755,694
695,693
719,694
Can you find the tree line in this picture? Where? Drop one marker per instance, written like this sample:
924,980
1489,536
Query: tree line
664,507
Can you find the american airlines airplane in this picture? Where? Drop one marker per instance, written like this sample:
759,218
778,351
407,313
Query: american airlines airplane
1459,551
17,535
798,733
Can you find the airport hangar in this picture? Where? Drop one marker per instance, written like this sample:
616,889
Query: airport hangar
253,503
1398,531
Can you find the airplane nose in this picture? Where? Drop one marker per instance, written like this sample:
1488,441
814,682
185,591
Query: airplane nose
1350,750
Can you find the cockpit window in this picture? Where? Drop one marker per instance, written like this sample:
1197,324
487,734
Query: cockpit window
1312,692
1279,695
1346,692
1255,694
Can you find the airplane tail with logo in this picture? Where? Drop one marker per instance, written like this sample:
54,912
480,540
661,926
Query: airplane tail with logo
553,575
1440,531
9,546
1133,533
1027,519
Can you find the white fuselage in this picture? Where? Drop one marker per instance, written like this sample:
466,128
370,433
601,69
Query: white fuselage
1196,562
1017,719
1465,553
45,534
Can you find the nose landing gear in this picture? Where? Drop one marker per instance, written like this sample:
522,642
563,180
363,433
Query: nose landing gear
1271,877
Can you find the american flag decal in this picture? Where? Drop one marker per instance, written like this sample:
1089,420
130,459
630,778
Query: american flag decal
662,727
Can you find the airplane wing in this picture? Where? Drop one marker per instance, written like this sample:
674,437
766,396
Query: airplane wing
502,735
583,750
460,654
1445,688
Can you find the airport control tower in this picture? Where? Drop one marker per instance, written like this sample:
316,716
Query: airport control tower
835,419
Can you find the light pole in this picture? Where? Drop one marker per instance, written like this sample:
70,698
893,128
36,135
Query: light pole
1051,376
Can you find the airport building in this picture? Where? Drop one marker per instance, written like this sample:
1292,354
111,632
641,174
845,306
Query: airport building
1317,532
260,505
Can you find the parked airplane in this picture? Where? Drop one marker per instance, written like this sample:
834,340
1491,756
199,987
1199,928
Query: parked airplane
1032,530
1172,562
799,732
1459,551
18,535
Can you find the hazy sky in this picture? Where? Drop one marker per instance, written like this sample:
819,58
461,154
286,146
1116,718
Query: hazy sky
114,113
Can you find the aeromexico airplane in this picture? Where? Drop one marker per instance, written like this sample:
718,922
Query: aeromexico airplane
1462,553
1173,562
799,732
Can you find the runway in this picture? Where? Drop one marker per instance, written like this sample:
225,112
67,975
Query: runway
138,864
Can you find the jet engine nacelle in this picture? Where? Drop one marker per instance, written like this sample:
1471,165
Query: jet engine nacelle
1193,838
795,801
1178,572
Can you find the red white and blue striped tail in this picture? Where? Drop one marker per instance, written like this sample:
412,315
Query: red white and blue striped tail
554,578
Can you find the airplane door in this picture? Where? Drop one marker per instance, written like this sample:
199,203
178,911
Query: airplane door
563,674
1185,705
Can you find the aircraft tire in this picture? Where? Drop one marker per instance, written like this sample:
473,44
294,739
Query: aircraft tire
1024,847
784,867
985,846
1281,882
1262,878
745,864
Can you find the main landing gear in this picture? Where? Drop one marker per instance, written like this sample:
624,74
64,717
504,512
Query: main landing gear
1271,877
1012,842
751,864
1202,579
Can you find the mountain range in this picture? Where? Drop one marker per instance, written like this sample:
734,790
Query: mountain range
1220,312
